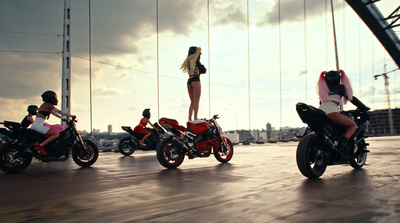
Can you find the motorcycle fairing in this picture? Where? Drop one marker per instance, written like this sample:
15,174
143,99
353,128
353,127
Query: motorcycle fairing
173,123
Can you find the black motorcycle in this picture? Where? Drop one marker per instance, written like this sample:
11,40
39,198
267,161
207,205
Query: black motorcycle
130,144
318,146
11,130
17,155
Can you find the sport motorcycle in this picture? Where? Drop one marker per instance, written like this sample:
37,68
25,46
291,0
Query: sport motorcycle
130,144
11,130
318,146
17,155
201,138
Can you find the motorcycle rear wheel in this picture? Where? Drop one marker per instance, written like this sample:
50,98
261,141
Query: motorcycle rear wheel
126,146
360,157
11,164
310,158
169,155
223,154
85,158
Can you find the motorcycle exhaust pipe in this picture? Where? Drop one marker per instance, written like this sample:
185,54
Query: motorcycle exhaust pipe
182,147
327,145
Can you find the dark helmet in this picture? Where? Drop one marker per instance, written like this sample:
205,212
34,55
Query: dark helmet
332,78
50,96
32,109
192,50
146,113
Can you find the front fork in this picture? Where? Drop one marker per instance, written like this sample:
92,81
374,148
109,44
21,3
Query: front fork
80,140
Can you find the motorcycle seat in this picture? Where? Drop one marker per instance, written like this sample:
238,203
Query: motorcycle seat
33,132
312,115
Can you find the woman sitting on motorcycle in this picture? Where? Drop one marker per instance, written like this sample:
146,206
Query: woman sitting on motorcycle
47,108
332,87
142,124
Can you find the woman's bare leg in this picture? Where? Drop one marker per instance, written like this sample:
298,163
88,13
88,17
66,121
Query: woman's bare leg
190,92
51,135
343,120
196,97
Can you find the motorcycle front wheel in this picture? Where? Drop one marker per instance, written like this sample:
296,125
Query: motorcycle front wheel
360,156
126,146
85,158
310,158
12,161
169,155
224,153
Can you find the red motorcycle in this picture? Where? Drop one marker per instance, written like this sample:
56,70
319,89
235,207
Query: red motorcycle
201,138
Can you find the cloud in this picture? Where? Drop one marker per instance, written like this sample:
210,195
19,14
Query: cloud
106,91
29,25
293,11
119,28
228,12
28,75
11,108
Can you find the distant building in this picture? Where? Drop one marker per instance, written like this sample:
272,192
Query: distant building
244,135
110,129
379,122
233,136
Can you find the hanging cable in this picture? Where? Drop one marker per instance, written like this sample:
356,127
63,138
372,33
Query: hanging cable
90,69
209,70
248,60
305,47
280,64
326,34
178,78
27,51
158,64
29,33
334,36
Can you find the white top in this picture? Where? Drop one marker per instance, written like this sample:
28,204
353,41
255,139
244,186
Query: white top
334,98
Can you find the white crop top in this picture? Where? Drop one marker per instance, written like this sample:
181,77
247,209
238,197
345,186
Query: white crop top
334,98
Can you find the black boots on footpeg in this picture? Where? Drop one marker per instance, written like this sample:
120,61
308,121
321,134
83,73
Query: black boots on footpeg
343,146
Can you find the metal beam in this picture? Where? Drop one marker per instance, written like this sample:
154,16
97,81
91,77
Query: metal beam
378,24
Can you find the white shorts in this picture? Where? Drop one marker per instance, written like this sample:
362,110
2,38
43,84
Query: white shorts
38,125
329,107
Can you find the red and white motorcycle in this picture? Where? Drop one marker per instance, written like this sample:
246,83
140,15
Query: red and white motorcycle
201,138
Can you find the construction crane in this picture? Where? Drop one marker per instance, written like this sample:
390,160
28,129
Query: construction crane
386,82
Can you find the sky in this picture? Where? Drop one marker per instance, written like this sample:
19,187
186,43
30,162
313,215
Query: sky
258,67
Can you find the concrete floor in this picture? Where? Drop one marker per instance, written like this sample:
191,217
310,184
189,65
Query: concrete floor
260,184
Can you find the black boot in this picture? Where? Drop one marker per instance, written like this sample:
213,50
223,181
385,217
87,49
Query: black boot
343,147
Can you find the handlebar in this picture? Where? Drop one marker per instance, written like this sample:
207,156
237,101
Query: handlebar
72,120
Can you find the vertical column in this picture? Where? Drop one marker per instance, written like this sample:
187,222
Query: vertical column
66,60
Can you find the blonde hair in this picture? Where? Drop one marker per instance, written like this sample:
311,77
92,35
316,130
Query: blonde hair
190,62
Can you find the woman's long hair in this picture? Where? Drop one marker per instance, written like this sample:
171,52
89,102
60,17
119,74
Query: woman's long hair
323,89
347,85
190,62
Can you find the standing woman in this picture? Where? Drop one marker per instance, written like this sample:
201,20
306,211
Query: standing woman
194,68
